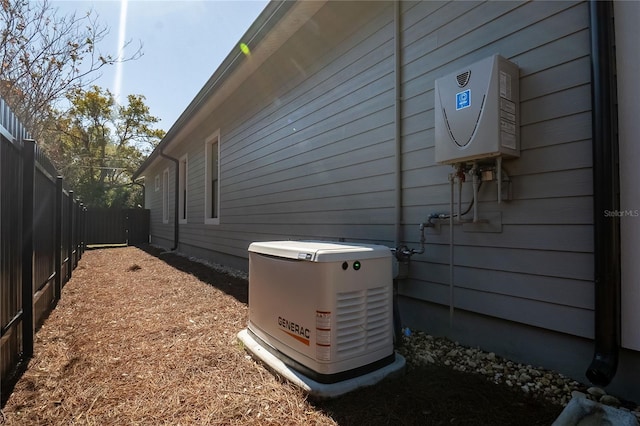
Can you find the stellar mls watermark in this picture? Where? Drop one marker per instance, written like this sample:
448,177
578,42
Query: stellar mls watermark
621,213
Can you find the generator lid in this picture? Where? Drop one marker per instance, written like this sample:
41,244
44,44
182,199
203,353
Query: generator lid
320,251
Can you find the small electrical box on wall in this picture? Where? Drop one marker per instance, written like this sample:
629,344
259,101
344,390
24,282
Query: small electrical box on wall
477,112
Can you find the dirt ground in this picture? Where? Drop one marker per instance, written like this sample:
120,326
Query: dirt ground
141,337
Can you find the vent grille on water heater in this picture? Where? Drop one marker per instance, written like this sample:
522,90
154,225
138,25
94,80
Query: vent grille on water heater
363,320
463,78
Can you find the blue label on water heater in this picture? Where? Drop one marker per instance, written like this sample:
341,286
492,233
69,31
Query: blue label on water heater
463,99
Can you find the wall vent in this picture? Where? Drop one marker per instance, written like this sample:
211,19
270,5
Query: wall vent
463,78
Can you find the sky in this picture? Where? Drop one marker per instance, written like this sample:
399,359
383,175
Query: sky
183,43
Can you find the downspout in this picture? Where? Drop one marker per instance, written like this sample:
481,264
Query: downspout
397,323
397,121
176,223
606,189
144,191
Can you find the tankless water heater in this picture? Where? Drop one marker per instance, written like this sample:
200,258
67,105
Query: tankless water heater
477,112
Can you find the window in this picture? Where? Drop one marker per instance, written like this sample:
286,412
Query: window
212,179
182,188
157,183
165,196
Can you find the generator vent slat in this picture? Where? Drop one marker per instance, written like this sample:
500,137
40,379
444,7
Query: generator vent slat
363,320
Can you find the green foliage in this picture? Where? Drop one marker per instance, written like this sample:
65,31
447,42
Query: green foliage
44,55
98,145
47,59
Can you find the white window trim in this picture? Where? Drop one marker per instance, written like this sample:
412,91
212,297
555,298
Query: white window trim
183,189
157,183
165,196
208,220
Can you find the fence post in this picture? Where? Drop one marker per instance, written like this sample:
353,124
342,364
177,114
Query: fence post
29,169
75,234
58,239
84,229
76,242
80,230
70,235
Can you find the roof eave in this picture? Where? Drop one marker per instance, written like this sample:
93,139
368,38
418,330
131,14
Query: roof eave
254,37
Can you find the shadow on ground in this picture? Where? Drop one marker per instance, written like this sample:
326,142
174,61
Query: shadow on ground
235,287
438,395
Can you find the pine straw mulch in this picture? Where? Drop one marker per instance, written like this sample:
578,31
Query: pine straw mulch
141,337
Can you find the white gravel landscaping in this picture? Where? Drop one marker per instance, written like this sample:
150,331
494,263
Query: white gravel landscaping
419,349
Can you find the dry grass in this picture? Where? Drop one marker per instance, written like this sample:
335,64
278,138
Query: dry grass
143,338
137,341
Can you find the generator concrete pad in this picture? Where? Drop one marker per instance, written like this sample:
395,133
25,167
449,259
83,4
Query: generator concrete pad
313,388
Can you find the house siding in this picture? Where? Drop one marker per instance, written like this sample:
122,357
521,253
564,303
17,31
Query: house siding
316,161
307,151
627,69
538,270
161,233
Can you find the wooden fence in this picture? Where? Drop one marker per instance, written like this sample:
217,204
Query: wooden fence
41,240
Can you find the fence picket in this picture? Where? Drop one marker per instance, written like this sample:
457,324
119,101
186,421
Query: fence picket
28,157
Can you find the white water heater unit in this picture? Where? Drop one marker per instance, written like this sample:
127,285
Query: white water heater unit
477,111
323,308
